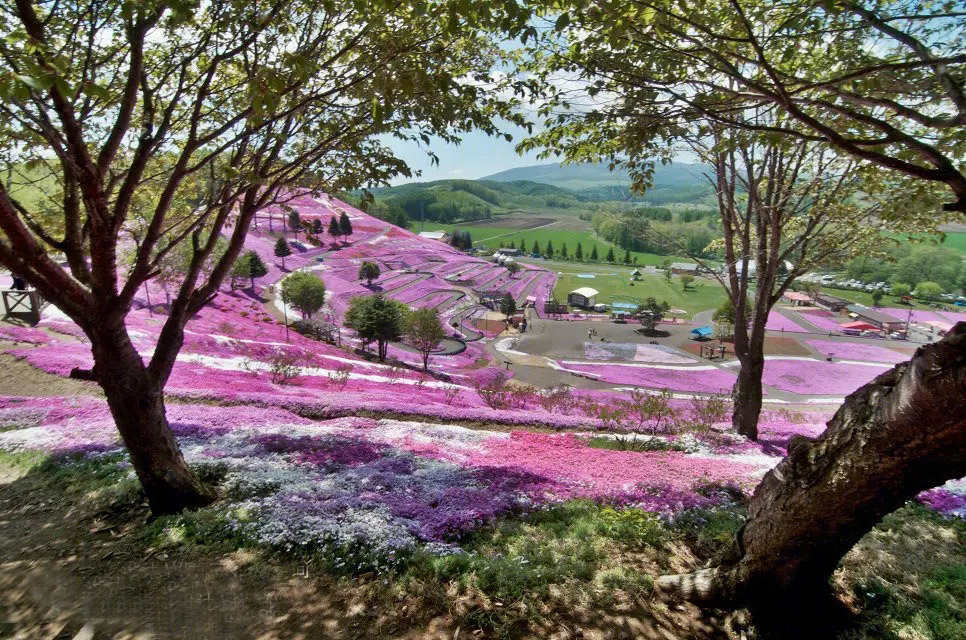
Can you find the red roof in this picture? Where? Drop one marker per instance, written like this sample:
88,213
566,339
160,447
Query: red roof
861,326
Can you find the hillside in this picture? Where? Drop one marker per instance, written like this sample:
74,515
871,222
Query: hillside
678,182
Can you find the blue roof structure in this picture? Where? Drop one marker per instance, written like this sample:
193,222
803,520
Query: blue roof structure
702,331
628,307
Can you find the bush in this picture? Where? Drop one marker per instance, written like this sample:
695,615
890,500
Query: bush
317,329
284,366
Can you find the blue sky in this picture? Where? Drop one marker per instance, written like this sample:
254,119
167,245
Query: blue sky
477,156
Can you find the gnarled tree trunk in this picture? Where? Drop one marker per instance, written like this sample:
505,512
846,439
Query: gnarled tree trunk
902,433
136,401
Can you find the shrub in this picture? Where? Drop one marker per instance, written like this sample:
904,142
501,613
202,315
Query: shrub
283,366
704,412
340,377
323,330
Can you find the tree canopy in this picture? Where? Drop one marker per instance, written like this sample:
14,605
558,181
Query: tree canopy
303,291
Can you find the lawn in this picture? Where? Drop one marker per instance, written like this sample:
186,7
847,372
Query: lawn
703,294
491,237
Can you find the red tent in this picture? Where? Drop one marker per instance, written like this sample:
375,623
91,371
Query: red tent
860,326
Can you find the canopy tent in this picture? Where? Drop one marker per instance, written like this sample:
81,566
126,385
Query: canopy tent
702,332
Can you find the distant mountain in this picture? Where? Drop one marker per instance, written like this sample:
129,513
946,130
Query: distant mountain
677,182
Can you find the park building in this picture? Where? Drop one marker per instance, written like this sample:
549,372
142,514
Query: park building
583,297
882,321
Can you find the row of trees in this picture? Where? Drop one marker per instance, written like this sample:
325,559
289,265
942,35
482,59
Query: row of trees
462,240
549,252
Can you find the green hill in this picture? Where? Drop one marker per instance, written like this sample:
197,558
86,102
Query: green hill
676,182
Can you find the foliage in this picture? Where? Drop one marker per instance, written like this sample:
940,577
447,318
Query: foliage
345,225
512,268
686,280
508,305
369,271
282,250
652,312
425,332
284,366
377,319
323,329
249,265
926,290
461,240
303,291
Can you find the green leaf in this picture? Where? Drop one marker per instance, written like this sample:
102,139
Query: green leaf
562,21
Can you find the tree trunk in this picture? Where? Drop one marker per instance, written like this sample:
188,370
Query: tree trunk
747,393
425,361
901,434
136,401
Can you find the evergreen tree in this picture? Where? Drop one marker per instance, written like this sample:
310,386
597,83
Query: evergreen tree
593,253
295,222
345,225
579,253
513,244
627,257
610,254
282,250
334,229
508,305
317,227
250,266
563,251
536,248
549,252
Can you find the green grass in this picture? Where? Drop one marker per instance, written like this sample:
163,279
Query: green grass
956,241
491,237
702,295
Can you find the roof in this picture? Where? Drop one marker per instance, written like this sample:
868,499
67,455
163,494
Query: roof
586,292
631,306
690,266
636,272
432,235
862,326
872,314
795,295
702,331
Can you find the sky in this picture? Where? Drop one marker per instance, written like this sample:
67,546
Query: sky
477,156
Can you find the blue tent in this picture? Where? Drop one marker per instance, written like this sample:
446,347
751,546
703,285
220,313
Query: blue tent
702,332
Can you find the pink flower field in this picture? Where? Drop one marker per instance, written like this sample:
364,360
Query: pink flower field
844,350
818,376
703,379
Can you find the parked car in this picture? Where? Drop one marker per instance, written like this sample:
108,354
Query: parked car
851,332
898,335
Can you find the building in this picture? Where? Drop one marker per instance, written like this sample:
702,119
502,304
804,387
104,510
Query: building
583,297
442,236
684,268
620,310
508,252
832,303
796,298
882,321
636,274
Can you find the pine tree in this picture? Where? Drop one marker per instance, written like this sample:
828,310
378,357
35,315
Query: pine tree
282,250
295,222
579,253
563,251
627,257
610,254
334,229
549,253
345,225
513,244
593,254
317,227
536,248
